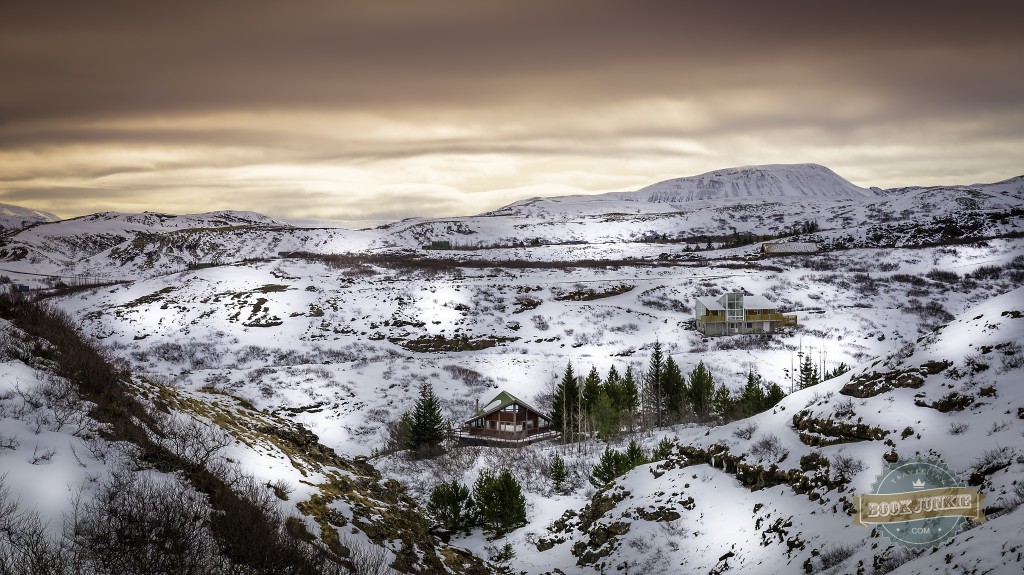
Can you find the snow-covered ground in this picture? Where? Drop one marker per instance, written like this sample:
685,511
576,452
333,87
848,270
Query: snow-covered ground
343,344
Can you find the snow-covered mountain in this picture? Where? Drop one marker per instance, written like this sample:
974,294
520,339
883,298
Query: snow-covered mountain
768,181
15,217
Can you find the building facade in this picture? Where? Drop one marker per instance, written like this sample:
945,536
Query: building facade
737,313
506,419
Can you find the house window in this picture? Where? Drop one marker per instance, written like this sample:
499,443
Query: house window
492,424
749,325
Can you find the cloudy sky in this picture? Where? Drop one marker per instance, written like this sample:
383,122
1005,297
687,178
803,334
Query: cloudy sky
385,109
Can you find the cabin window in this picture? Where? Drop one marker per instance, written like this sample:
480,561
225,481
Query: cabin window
492,424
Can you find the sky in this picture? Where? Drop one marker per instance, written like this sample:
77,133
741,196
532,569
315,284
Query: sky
364,110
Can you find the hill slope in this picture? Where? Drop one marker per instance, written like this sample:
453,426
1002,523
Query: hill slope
15,217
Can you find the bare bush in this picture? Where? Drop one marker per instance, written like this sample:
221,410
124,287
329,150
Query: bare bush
1012,356
25,546
768,448
137,524
368,559
835,554
746,431
194,441
846,466
540,322
958,427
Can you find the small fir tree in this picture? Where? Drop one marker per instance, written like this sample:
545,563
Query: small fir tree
701,388
499,501
774,396
452,507
563,404
591,390
808,376
426,425
673,391
753,400
635,454
721,401
663,450
611,465
559,474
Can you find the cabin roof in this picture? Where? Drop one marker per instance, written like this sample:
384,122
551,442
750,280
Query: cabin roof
711,304
757,302
501,401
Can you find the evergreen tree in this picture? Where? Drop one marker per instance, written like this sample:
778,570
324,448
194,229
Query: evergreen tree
663,450
839,370
808,373
499,501
653,379
673,390
613,387
611,465
607,421
635,454
702,387
563,404
426,425
721,401
630,394
591,389
558,472
753,400
774,396
452,507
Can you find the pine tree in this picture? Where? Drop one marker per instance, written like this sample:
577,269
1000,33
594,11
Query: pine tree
613,387
452,507
839,370
591,389
663,450
426,426
752,400
611,465
558,472
673,391
630,394
499,501
607,421
721,401
563,404
635,454
808,376
702,387
653,379
774,396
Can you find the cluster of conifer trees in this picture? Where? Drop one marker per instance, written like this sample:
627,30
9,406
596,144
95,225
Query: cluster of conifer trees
663,396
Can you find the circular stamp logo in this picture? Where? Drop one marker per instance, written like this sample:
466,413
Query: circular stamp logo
918,503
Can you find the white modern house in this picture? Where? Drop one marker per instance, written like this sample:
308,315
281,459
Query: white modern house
735,313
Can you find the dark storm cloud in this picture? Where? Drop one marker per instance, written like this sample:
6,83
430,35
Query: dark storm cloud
106,89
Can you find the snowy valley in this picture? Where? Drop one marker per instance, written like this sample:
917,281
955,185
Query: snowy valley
292,353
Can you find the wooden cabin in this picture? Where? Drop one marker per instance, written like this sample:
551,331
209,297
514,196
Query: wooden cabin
506,419
736,313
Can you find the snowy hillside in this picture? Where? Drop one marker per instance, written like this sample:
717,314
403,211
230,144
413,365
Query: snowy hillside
16,217
774,491
781,180
238,320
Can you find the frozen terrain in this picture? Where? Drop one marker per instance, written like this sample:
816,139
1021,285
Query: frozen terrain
336,330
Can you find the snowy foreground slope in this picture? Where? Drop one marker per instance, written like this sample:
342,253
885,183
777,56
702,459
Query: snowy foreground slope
775,502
